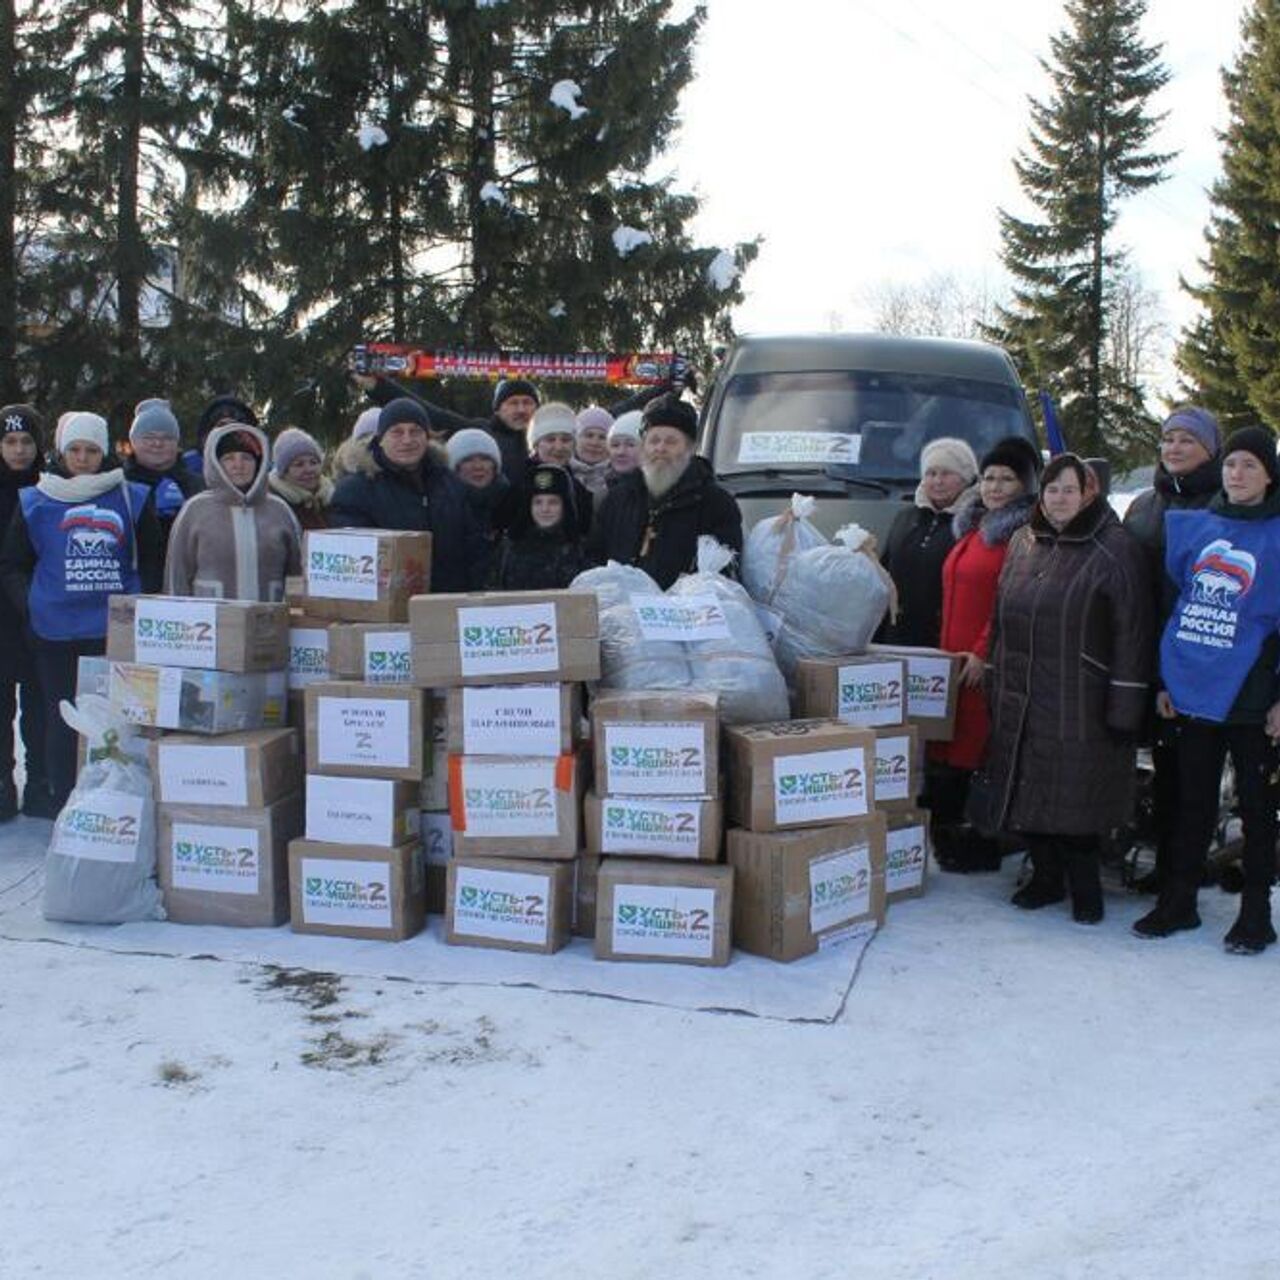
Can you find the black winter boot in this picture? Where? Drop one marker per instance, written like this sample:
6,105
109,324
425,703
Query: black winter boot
971,851
37,800
1085,880
1174,912
1045,886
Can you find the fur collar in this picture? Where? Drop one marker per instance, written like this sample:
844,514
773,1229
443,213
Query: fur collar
994,527
296,496
961,498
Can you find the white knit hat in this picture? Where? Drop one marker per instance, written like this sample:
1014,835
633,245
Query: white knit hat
366,423
949,454
594,416
551,419
88,428
470,443
628,424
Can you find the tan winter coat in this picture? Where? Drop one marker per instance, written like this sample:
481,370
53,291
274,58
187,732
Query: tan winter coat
233,545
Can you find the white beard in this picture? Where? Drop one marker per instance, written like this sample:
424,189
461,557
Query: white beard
661,477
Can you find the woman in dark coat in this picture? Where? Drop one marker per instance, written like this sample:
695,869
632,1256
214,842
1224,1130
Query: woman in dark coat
1070,671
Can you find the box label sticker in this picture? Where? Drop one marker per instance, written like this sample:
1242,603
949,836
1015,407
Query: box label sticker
512,906
839,887
308,656
656,759
386,658
516,720
437,838
668,828
104,826
870,693
510,798
905,854
214,859
342,566
346,892
177,633
351,810
820,785
499,640
360,731
203,774
928,683
817,447
685,618
663,920
893,768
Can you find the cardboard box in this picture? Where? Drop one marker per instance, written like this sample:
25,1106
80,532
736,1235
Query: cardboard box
226,866
377,811
250,770
867,690
435,779
210,635
656,744
799,773
654,827
933,684
505,637
354,891
437,848
906,868
673,913
513,719
366,731
797,891
371,652
897,767
586,877
507,904
364,575
516,806
308,655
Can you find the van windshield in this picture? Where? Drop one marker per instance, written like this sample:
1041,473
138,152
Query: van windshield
859,423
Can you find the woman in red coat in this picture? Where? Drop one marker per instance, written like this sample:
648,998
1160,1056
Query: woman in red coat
982,528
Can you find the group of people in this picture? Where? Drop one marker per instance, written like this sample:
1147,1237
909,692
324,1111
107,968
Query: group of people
1083,637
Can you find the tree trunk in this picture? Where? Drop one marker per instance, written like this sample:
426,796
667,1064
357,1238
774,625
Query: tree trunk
130,251
9,109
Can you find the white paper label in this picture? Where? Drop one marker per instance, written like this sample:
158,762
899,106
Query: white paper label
928,681
512,906
363,731
870,693
214,859
308,656
820,785
342,566
770,621
658,759
351,810
516,798
104,826
386,658
514,720
203,774
179,633
346,892
502,639
664,827
437,838
893,768
905,859
688,619
663,920
839,887
820,448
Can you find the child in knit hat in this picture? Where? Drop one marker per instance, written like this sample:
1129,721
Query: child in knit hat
297,476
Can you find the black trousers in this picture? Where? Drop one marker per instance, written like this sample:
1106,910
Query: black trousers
20,686
56,662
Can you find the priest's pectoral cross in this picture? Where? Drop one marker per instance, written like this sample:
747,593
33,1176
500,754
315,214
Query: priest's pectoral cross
650,532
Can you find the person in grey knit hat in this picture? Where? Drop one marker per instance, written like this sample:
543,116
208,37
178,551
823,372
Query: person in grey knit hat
154,442
297,476
474,457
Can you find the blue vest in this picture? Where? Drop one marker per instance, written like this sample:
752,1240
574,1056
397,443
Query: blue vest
85,552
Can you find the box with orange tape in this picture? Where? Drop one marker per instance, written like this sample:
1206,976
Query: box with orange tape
516,806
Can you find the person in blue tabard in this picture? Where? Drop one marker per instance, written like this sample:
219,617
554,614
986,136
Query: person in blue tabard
154,437
1219,656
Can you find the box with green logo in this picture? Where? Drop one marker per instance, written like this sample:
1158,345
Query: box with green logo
656,744
226,866
799,891
371,652
513,719
654,826
366,731
664,912
516,806
906,869
799,773
897,767
933,685
375,811
505,637
364,575
249,770
434,793
197,632
354,891
308,653
508,904
862,689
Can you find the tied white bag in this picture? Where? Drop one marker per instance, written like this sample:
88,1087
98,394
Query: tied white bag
771,544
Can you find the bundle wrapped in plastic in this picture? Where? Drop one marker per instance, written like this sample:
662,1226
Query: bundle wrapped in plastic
771,544
740,667
832,599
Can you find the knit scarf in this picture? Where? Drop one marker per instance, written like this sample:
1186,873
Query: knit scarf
296,496
79,488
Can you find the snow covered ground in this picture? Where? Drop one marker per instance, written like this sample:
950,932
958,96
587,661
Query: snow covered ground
1005,1094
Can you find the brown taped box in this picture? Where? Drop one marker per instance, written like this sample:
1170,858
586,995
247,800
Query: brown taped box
663,912
933,685
797,773
906,870
508,904
657,744
897,767
377,811
252,769
435,769
530,719
366,730
798,891
654,826
586,875
505,637
364,575
437,848
372,652
244,635
516,806
226,866
357,891
867,690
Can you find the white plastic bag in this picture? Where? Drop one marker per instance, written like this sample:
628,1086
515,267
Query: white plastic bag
772,543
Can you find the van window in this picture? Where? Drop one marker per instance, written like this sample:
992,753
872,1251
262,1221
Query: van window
866,423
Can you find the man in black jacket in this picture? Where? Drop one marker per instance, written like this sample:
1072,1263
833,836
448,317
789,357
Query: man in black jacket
652,517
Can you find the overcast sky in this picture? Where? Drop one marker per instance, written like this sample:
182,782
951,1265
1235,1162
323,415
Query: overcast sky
867,140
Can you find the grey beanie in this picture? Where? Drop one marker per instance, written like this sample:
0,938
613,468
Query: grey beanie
291,444
154,418
472,442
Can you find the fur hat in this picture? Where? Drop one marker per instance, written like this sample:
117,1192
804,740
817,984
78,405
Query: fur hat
509,387
594,416
1020,456
291,444
552,419
670,411
949,454
545,478
22,417
627,424
154,418
1259,442
1197,422
400,410
366,423
89,428
472,442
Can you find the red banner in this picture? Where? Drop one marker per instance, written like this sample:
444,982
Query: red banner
400,360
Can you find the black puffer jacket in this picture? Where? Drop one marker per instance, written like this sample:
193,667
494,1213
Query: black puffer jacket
538,560
13,650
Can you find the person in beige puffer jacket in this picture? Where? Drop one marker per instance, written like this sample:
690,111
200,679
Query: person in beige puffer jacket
237,540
